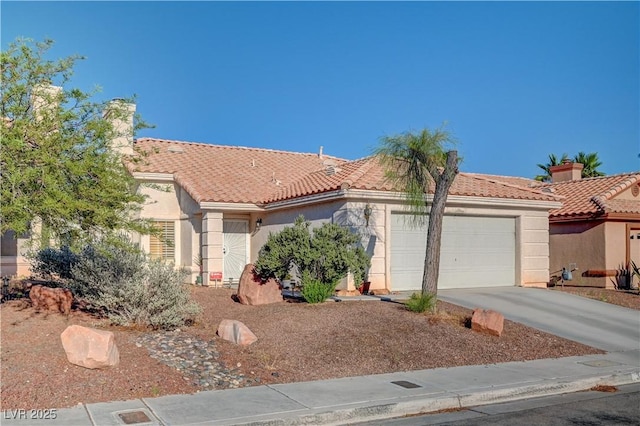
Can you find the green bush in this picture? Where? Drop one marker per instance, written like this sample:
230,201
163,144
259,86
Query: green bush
327,254
421,302
116,280
51,262
314,290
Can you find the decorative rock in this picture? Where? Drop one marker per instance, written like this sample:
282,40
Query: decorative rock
196,359
379,292
59,299
487,321
90,348
236,332
252,291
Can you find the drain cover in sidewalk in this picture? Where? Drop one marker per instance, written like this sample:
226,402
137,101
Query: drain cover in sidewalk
600,363
406,385
134,417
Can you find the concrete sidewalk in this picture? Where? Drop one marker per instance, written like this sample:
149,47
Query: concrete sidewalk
353,399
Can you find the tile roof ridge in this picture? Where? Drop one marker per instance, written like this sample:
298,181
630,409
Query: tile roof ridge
188,187
620,187
534,190
492,175
591,179
600,202
249,148
359,172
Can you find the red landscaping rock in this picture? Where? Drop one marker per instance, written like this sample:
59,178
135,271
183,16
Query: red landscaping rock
57,299
236,332
252,291
487,322
90,348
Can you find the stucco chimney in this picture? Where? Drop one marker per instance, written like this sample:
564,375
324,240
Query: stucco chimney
45,98
121,113
567,171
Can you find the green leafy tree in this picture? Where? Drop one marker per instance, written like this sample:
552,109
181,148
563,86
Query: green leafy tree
325,254
56,165
412,161
553,161
591,162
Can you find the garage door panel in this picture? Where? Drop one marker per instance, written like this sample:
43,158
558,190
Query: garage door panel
476,252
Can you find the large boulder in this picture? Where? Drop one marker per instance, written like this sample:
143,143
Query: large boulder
236,332
57,299
487,322
90,348
252,291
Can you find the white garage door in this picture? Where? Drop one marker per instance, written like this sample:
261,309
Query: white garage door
476,252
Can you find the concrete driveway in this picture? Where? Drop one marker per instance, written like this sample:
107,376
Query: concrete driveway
594,323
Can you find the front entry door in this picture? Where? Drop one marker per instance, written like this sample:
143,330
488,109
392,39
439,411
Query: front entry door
234,248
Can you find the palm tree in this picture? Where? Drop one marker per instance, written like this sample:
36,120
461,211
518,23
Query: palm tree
591,162
412,161
553,161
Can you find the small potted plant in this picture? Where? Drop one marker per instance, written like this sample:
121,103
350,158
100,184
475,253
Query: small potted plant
360,269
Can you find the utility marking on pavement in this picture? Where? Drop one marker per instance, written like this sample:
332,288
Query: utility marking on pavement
134,417
600,363
406,385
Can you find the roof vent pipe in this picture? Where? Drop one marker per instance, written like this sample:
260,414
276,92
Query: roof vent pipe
320,154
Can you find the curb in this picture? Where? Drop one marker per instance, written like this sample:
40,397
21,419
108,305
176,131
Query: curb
445,401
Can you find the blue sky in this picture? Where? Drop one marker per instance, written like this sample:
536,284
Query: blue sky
514,81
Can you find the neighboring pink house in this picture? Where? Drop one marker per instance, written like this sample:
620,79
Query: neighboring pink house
597,228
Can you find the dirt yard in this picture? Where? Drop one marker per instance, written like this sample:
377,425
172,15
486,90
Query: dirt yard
626,298
296,342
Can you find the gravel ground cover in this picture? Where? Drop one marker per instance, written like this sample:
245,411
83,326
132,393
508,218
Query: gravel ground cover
296,342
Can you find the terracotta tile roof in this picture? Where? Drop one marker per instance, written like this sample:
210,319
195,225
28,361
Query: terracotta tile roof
233,174
594,197
513,180
228,173
368,174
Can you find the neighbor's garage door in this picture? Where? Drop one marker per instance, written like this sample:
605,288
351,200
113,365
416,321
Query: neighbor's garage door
476,252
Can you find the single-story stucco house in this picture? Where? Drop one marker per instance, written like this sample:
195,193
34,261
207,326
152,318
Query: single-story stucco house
597,229
221,202
217,205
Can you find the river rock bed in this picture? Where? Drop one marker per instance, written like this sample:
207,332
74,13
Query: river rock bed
197,360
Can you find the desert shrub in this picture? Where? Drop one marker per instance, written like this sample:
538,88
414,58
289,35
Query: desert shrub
314,290
421,302
51,262
283,249
327,254
117,281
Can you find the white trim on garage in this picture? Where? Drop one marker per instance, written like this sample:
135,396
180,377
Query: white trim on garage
477,251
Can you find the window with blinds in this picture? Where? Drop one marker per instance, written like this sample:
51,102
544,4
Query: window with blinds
163,247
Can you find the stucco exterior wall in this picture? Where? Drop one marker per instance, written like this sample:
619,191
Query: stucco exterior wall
12,256
627,194
200,232
275,221
582,243
167,201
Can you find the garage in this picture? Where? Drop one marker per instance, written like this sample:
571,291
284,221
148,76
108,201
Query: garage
477,251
